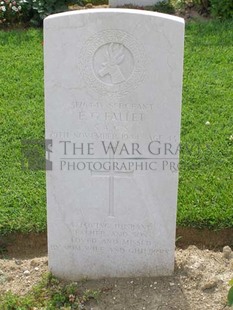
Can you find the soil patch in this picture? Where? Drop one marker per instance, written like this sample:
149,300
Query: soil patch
200,282
35,245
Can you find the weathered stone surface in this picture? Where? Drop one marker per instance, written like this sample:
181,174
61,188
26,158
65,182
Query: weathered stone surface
113,85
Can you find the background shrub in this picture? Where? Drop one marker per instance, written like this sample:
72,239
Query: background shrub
164,7
218,8
36,10
222,9
96,2
10,12
33,11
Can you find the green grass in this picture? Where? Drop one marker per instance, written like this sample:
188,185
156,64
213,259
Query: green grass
50,294
22,193
206,170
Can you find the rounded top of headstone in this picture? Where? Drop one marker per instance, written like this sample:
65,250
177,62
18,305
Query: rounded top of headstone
115,11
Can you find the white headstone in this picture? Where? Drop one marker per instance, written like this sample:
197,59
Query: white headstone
113,85
116,3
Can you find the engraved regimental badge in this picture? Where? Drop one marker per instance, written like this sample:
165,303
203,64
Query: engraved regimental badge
112,62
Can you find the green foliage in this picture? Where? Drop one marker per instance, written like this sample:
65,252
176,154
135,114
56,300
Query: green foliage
10,12
37,10
200,4
219,9
95,2
222,9
50,294
164,7
230,294
179,4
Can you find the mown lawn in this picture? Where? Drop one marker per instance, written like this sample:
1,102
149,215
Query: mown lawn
22,193
206,169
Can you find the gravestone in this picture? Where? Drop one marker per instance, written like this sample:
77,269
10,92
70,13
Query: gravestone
113,86
116,3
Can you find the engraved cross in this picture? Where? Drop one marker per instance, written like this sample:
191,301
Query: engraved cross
111,175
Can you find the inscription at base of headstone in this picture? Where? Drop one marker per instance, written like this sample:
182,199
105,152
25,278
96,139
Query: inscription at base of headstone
113,86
